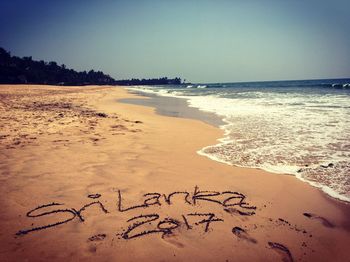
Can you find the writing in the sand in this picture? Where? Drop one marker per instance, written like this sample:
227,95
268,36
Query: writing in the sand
230,201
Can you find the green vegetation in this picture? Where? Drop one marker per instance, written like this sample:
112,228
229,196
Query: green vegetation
16,70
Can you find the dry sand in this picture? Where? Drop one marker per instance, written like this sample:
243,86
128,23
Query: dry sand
75,157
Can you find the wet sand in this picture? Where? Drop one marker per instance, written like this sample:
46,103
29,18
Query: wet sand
86,178
174,107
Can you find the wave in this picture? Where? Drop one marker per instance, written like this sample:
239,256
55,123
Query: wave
328,83
280,133
196,86
336,85
332,84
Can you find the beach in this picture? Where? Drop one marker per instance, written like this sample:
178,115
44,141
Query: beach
87,178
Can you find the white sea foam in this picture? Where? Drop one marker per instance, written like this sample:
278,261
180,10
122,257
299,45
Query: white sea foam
338,85
307,135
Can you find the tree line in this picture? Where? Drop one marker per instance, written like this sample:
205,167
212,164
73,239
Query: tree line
25,70
152,81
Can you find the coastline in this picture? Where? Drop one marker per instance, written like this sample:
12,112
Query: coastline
117,146
177,104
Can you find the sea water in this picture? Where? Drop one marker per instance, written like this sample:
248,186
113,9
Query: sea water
288,127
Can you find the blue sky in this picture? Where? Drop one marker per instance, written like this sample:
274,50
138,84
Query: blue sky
201,41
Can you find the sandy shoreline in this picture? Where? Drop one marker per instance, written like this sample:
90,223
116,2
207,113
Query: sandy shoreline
74,156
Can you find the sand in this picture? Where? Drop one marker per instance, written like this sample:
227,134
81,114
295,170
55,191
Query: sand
86,178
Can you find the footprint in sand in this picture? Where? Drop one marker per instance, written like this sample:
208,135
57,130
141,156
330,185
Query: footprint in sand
173,241
323,220
242,234
282,250
119,127
234,211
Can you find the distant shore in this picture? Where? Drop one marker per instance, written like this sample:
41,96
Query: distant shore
84,177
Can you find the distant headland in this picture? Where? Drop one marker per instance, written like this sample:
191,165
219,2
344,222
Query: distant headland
25,70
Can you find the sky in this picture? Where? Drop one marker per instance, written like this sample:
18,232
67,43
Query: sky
201,41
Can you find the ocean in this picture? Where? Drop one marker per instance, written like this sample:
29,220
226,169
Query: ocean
299,127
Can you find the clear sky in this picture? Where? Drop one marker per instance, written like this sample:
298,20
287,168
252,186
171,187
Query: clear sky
199,40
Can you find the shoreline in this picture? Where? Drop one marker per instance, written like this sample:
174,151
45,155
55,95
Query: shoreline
161,105
173,107
116,148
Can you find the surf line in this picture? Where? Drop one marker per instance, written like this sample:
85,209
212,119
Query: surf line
226,199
